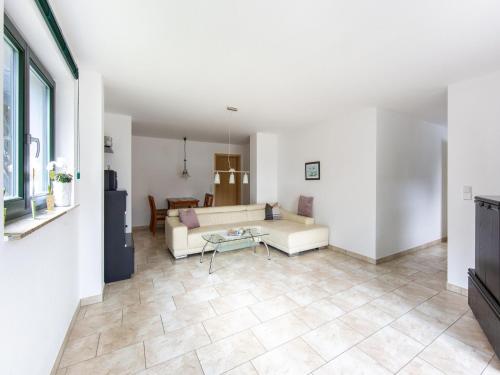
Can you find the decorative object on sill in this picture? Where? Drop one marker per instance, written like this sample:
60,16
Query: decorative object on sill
230,170
108,144
62,189
51,168
61,182
50,202
4,209
185,172
33,201
312,170
33,208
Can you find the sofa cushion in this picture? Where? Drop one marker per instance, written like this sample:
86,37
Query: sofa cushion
188,218
269,212
305,206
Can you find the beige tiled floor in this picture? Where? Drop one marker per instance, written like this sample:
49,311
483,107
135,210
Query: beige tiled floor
320,312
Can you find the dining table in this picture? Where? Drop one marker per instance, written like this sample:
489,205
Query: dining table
182,202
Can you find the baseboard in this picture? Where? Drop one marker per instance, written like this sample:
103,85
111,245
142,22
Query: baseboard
91,300
409,251
140,228
457,289
388,257
352,254
65,341
83,302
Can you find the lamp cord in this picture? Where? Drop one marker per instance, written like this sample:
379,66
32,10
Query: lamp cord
229,149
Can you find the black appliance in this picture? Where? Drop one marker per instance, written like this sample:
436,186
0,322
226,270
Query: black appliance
110,180
484,279
118,245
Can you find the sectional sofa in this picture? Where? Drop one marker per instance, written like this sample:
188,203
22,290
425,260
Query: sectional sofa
292,234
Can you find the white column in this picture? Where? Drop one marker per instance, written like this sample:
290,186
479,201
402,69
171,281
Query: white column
263,168
91,185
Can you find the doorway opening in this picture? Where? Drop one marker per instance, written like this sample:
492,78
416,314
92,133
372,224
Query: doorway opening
226,194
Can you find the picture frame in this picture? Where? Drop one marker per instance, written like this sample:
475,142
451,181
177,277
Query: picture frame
312,170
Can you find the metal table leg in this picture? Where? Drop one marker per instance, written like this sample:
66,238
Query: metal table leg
203,252
268,253
212,260
254,245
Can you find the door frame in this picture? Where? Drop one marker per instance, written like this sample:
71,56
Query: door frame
237,175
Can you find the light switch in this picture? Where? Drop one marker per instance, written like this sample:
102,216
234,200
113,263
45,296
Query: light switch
467,193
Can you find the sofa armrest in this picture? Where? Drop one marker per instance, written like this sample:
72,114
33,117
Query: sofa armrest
175,234
287,215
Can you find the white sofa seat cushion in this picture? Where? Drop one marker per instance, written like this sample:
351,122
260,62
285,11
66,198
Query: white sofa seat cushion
291,235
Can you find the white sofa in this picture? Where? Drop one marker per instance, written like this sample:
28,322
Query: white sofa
292,234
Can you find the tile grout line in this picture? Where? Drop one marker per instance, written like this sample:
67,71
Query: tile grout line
424,346
144,351
199,362
427,346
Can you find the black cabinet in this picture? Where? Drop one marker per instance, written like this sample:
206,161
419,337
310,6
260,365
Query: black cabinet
118,245
484,279
488,243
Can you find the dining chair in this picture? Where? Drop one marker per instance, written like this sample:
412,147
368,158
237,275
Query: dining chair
209,200
157,215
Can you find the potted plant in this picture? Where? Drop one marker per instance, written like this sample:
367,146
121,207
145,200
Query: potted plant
62,189
60,182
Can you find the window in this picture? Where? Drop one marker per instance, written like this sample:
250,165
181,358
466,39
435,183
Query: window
40,131
28,102
11,162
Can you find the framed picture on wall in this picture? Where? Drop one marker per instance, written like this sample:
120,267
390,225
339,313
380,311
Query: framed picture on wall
312,170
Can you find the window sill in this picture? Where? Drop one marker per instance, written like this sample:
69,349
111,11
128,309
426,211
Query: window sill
24,226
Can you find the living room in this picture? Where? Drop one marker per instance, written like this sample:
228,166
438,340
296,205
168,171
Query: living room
293,188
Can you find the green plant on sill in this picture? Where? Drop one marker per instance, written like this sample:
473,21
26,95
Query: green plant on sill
65,178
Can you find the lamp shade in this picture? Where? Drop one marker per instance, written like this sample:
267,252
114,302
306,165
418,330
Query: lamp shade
217,178
231,179
245,179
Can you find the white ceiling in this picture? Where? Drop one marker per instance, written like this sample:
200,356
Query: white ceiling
174,65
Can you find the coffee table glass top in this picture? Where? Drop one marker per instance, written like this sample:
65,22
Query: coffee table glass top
221,237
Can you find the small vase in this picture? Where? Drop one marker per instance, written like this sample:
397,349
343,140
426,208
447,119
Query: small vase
33,208
62,194
50,202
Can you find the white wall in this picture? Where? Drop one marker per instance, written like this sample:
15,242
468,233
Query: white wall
410,188
91,186
39,274
473,160
39,291
119,127
344,198
263,167
156,167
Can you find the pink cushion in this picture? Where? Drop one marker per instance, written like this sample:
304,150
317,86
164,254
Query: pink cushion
188,218
305,206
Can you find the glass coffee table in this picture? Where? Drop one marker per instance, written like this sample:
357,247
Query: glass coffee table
222,242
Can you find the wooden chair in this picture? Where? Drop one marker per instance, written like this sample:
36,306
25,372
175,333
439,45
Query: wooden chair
209,200
157,215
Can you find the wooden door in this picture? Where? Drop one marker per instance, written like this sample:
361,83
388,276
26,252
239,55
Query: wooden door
226,194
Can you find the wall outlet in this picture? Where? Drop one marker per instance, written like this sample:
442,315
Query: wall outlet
467,193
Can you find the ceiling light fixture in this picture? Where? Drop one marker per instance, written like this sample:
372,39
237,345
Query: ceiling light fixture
230,170
185,172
